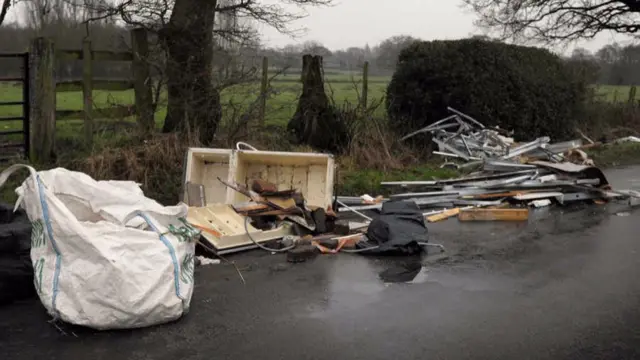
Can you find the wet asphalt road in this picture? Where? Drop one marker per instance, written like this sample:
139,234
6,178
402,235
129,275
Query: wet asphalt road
564,286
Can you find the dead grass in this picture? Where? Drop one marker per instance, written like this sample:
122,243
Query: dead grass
374,154
156,164
616,154
608,121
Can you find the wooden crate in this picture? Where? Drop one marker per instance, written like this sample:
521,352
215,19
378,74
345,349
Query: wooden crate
310,173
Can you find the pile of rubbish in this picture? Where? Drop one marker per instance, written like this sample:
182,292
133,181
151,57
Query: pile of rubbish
89,247
473,142
283,202
95,245
508,178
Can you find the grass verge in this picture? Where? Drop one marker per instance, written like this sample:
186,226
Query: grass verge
616,154
356,182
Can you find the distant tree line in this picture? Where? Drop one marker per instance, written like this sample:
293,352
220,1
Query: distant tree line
613,64
382,57
68,33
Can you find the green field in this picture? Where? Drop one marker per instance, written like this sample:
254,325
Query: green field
342,88
235,100
615,93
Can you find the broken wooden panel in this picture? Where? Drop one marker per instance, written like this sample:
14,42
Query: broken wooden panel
204,166
225,229
443,215
494,215
310,173
196,195
260,186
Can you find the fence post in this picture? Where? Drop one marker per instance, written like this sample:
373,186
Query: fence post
87,90
142,81
632,95
42,100
26,109
264,88
365,84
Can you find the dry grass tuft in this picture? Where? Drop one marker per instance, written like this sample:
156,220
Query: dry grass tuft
157,164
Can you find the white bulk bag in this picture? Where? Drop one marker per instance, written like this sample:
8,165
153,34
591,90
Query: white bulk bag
104,255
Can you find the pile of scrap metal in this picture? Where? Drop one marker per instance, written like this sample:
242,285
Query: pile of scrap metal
462,137
501,191
507,177
282,202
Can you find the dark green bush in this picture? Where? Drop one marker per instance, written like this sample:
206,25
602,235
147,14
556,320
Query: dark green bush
525,89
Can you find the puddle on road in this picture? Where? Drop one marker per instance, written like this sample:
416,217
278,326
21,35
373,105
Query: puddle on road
402,273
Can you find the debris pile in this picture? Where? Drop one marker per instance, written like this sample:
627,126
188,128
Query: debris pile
499,185
462,137
283,202
508,178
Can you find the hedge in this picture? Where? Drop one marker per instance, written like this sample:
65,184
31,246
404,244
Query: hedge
525,89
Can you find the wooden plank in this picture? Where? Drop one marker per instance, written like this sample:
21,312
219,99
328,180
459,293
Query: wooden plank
112,85
68,55
87,90
365,85
112,112
12,145
98,55
112,56
42,100
142,81
264,87
11,118
494,215
13,55
11,132
444,215
250,206
281,202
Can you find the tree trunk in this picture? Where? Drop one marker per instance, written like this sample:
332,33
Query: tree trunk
316,122
6,4
193,101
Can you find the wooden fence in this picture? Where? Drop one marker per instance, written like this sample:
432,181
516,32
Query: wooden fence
42,58
264,88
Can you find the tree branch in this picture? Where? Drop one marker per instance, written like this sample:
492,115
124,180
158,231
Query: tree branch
6,4
556,20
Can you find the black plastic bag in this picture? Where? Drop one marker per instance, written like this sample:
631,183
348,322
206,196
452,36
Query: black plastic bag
16,270
399,229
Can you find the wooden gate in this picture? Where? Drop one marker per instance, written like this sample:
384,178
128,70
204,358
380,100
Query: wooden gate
10,146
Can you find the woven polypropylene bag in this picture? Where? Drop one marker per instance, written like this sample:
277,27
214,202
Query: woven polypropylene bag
104,255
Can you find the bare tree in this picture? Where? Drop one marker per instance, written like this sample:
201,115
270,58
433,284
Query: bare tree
314,47
389,50
6,4
187,30
557,20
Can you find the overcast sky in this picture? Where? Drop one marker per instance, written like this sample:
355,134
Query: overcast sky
358,22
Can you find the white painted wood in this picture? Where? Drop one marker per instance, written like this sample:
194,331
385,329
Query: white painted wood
204,166
224,220
310,173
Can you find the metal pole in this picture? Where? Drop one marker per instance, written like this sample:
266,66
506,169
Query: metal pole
355,211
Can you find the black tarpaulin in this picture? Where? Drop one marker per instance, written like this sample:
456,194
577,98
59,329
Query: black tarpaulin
16,271
398,230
